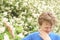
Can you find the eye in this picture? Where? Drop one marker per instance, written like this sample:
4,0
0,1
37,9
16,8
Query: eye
48,24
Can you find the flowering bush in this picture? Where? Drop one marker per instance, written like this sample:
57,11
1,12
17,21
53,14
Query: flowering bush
22,16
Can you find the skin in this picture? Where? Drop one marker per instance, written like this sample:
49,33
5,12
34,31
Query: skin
10,28
46,27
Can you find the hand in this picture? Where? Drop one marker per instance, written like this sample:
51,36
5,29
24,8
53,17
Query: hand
44,35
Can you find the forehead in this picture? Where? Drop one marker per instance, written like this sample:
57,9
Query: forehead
46,22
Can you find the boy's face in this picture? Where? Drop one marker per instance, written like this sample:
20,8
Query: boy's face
46,26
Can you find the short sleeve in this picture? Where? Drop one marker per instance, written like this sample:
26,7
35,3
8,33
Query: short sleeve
57,37
32,36
27,37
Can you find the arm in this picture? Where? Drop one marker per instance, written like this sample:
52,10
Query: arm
10,28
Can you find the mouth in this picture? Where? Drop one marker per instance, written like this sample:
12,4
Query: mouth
47,31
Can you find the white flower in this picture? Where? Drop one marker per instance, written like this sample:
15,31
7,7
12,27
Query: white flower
5,13
29,19
2,29
35,15
21,35
17,4
4,20
25,3
6,37
22,23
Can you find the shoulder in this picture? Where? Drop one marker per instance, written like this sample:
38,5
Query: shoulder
55,35
29,37
34,33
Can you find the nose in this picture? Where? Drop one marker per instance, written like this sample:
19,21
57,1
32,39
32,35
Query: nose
48,29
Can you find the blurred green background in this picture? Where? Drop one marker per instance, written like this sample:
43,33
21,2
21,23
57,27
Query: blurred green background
23,15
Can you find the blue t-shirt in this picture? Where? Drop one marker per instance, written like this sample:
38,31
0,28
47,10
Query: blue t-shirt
35,36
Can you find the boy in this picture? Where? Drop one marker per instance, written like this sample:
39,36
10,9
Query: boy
46,21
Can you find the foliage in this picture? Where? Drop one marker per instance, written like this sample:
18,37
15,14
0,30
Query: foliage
22,15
